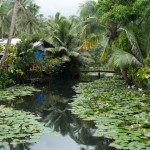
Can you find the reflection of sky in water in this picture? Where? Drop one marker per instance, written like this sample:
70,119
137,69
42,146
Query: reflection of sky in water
55,141
48,142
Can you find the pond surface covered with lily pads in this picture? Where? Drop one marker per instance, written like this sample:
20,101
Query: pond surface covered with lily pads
49,107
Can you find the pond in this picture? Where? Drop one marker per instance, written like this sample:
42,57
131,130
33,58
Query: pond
68,132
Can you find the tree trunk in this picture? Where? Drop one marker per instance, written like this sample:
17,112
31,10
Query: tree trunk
30,29
113,30
11,147
125,76
1,33
2,61
1,29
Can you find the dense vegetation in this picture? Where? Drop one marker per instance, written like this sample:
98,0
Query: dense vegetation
107,33
117,32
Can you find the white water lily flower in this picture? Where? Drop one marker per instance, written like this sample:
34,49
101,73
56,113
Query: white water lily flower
140,89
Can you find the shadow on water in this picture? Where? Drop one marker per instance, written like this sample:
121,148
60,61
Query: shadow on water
68,131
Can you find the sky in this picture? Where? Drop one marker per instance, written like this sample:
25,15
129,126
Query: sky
65,7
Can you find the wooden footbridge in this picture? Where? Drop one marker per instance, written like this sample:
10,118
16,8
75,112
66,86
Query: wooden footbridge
98,71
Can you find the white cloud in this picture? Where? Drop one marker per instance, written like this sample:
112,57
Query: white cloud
65,7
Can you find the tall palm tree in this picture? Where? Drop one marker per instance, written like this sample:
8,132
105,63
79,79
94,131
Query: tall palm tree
41,26
88,9
32,17
16,3
60,30
92,31
28,14
4,17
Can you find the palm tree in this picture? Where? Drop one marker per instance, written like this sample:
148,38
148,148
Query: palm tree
16,3
32,17
125,58
105,26
88,9
28,14
41,25
4,17
61,35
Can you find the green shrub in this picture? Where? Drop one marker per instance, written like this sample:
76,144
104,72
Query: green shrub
5,79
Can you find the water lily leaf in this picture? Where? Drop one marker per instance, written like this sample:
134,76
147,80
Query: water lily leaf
13,127
119,113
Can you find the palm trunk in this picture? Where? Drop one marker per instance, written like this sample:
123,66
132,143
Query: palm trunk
2,61
114,31
11,147
30,29
1,29
1,33
125,76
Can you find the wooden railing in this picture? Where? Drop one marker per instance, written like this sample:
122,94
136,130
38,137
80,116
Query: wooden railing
96,70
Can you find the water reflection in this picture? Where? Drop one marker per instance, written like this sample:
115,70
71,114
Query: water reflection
52,105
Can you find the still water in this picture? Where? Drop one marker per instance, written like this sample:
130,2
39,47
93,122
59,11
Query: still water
68,132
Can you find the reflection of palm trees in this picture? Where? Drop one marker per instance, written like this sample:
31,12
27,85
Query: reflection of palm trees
84,135
19,147
58,121
23,147
2,147
57,116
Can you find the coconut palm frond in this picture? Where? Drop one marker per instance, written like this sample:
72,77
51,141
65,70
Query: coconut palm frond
83,31
95,21
88,9
86,59
148,46
94,25
105,51
58,18
89,20
104,54
135,47
63,49
58,40
91,25
91,41
146,28
65,59
123,59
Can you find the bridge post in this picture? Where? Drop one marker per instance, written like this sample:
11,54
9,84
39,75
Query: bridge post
99,76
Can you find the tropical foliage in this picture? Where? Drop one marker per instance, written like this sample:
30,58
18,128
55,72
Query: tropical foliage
120,29
28,13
